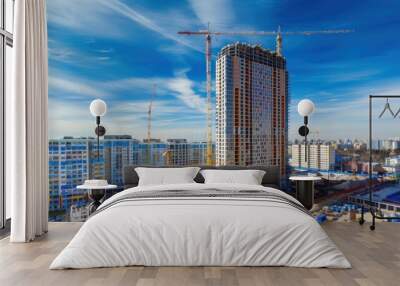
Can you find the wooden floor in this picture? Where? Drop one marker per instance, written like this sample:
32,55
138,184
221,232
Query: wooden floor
375,257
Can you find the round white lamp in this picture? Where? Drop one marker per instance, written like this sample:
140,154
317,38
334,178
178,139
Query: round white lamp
305,108
98,108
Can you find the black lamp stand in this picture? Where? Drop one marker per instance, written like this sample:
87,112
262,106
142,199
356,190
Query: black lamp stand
100,131
303,131
97,195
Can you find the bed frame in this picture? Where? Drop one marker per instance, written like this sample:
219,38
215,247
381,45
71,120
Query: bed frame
270,179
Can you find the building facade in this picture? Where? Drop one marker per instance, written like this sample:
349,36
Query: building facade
392,161
74,160
119,151
152,153
387,144
178,152
251,107
318,157
71,162
198,153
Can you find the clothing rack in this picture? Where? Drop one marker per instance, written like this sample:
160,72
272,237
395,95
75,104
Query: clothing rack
371,205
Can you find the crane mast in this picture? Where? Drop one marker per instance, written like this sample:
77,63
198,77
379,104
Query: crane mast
149,123
149,112
209,159
279,42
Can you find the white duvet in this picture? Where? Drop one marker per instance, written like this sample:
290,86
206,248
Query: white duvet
194,231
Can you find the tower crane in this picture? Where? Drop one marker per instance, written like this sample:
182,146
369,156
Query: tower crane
167,157
153,94
208,33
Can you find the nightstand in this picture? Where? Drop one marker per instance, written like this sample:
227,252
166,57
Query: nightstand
305,189
96,194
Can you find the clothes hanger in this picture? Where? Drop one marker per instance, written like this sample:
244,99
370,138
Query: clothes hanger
387,107
397,113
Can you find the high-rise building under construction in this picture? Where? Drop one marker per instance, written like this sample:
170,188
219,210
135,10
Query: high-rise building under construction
251,107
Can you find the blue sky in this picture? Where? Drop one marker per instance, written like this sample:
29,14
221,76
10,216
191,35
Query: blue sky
117,49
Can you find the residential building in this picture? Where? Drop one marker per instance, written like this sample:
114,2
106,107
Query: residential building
392,161
392,170
387,144
251,107
95,159
198,153
119,151
178,152
152,153
318,157
74,160
359,145
376,144
295,155
395,144
71,162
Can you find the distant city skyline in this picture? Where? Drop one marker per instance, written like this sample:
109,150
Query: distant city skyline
92,57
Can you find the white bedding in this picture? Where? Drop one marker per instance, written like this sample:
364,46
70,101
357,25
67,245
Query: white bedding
200,231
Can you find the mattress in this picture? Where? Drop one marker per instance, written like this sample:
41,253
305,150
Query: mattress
201,225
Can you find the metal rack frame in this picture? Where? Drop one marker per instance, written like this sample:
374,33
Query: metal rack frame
371,205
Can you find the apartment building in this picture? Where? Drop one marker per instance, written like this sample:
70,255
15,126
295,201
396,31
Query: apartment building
317,157
74,160
178,152
251,107
71,162
119,151
198,153
152,153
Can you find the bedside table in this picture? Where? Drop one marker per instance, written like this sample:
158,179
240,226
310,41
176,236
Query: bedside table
305,189
96,194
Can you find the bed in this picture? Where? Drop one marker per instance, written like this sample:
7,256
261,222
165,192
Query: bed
196,224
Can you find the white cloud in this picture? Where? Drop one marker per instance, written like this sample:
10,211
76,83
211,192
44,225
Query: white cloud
75,86
176,49
219,13
161,106
183,89
103,58
136,83
179,86
85,17
60,53
69,118
341,75
141,19
99,18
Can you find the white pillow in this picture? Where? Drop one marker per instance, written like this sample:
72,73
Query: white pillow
166,176
248,177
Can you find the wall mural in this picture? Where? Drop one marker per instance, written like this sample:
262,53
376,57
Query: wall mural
181,83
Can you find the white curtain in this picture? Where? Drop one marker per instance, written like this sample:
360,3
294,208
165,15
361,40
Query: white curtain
27,148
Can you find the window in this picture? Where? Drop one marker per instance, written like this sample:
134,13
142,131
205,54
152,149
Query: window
6,43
